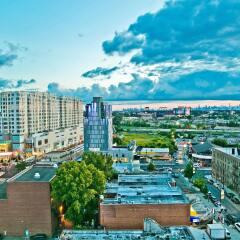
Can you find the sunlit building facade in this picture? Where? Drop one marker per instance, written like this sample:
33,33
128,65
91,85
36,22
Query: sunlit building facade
98,126
25,115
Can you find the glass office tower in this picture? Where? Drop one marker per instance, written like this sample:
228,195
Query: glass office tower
98,126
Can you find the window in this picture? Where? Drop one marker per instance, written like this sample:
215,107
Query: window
40,142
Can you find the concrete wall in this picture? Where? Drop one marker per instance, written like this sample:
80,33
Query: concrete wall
27,206
131,216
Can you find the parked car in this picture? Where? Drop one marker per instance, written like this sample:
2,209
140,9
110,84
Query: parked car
228,234
230,195
231,219
237,225
236,200
217,203
196,165
210,181
214,199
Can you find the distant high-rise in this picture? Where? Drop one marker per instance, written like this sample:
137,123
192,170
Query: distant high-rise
98,126
40,121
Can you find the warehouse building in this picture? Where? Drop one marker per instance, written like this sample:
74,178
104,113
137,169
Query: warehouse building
138,196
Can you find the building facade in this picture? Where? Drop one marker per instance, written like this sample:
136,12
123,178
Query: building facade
98,126
226,167
26,114
138,196
25,202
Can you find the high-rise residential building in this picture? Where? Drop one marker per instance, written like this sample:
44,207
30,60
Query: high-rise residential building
226,167
27,116
98,126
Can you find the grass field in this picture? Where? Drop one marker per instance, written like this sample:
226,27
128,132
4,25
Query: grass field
141,138
149,140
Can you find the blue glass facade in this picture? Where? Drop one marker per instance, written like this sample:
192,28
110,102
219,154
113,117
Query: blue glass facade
98,126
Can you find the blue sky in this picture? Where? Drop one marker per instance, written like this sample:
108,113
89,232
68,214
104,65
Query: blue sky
138,49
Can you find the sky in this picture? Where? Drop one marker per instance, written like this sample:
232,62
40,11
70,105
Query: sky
121,49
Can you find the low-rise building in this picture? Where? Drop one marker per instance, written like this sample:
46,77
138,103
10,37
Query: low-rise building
202,153
154,153
138,196
25,202
226,167
151,230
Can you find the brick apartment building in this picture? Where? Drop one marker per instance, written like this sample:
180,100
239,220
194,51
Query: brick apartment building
25,202
136,197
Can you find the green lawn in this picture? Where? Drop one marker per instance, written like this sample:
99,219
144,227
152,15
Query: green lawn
149,140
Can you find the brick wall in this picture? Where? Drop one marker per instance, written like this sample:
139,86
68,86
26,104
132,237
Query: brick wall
131,216
27,206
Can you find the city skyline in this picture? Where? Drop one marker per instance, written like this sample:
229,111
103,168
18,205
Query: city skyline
157,50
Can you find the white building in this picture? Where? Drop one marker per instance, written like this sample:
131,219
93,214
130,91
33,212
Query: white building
26,117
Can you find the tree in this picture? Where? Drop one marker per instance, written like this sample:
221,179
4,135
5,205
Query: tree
118,141
100,161
188,171
201,184
117,119
220,142
76,186
151,167
21,166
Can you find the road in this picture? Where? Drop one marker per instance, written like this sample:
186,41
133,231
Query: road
187,187
226,202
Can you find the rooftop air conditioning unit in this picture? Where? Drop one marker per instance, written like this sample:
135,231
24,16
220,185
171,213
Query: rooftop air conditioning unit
37,175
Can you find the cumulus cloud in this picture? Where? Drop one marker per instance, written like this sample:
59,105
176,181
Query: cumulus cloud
184,29
197,85
9,84
9,55
186,50
99,71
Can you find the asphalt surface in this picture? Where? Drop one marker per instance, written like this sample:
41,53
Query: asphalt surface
232,208
187,187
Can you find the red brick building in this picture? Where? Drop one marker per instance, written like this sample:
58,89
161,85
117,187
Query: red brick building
25,202
136,197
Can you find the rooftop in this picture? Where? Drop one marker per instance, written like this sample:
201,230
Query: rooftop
202,147
176,233
144,189
153,150
230,151
35,174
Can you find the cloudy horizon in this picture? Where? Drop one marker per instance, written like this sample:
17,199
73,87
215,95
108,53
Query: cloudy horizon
163,50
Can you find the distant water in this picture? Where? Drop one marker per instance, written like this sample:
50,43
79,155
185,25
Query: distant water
119,105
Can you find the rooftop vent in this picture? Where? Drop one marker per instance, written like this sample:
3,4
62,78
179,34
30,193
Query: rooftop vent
37,175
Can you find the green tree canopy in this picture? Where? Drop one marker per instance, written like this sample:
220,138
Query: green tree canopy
76,186
220,142
21,166
188,171
100,161
151,167
201,184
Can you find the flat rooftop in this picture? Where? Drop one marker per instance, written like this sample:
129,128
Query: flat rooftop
144,179
144,189
153,150
45,174
176,233
235,152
